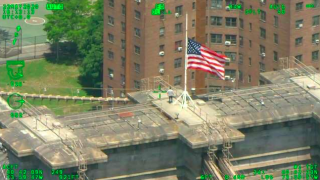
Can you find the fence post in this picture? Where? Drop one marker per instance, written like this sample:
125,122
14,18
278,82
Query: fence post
5,48
35,46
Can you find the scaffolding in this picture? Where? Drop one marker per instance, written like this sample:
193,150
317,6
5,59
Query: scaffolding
300,69
76,145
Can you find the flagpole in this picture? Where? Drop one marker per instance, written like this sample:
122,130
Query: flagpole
185,55
185,95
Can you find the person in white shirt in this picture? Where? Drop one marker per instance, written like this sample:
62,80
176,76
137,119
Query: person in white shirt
170,94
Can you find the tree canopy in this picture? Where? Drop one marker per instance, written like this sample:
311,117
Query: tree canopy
82,24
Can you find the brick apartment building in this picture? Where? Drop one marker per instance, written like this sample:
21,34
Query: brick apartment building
133,40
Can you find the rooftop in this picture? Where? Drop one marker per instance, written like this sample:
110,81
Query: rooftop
52,139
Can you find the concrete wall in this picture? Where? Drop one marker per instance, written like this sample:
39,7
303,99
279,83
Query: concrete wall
276,137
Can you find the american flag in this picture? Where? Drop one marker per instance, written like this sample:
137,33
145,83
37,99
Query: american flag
202,58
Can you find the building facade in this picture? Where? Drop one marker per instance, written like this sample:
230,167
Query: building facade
139,45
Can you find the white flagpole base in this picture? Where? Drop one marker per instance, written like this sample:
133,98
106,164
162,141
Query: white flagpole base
185,98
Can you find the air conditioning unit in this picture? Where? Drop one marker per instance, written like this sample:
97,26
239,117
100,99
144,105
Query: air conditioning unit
177,15
138,1
262,1
179,48
227,77
227,43
161,71
123,83
317,41
263,54
227,8
111,75
227,59
161,53
300,25
162,0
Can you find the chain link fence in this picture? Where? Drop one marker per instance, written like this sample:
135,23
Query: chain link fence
25,48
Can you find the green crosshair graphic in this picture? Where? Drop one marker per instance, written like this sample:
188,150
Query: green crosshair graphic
159,91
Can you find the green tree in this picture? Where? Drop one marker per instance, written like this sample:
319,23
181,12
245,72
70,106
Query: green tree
91,47
68,24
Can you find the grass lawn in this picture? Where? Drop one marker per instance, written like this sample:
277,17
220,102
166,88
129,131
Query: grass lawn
43,77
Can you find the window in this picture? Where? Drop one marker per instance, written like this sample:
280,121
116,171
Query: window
263,16
177,63
177,44
242,5
216,4
275,56
123,44
137,49
193,22
136,84
262,49
123,62
162,14
315,55
232,39
110,55
231,73
262,67
231,22
123,9
161,65
299,6
250,61
193,5
299,41
161,47
179,10
250,43
216,21
216,38
111,73
137,14
137,32
233,2
299,57
178,28
299,23
276,21
241,23
263,33
123,79
276,1
240,58
315,20
315,37
111,3
177,80
275,38
206,20
316,3
123,27
192,75
162,31
137,67
241,40
231,55
249,78
250,26
110,37
110,20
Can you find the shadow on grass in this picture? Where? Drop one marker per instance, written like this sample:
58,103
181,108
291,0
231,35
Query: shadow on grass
67,54
87,82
